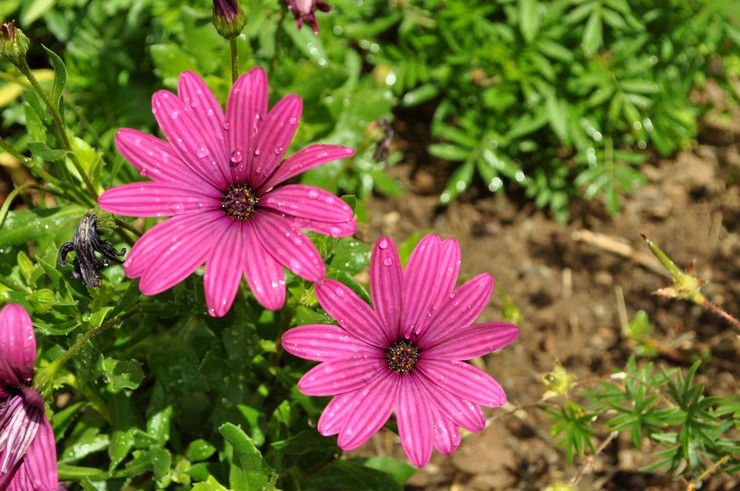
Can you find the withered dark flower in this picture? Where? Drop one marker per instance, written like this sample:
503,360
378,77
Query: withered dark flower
303,10
87,241
13,43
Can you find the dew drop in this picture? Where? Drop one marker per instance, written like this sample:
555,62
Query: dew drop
256,152
258,169
209,112
193,104
313,194
278,150
293,120
201,152
226,126
383,244
335,231
144,172
236,157
175,114
387,261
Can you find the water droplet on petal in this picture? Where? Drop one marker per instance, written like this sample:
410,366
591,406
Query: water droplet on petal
227,126
256,152
236,157
193,104
201,152
383,244
293,120
144,172
335,231
209,112
387,261
175,114
313,194
278,150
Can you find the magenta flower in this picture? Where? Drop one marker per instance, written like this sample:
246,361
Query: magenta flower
405,353
303,10
219,176
28,457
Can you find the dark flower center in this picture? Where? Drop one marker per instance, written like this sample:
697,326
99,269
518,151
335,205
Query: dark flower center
239,202
402,357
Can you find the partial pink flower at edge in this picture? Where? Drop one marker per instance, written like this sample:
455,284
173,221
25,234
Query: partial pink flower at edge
219,176
404,354
27,449
304,11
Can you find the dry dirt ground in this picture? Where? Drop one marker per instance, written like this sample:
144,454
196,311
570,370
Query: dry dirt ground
569,282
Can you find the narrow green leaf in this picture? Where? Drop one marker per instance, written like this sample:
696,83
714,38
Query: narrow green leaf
60,78
530,23
593,34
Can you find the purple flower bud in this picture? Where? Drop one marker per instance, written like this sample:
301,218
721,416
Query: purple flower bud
228,17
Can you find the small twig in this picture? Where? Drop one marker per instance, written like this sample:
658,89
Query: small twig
617,245
589,460
691,486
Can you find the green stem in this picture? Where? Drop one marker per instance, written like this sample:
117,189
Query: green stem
56,116
234,59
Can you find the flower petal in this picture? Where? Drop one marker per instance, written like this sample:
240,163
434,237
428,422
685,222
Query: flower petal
371,408
352,314
414,421
460,310
420,281
245,110
474,341
462,412
312,208
449,268
156,199
187,135
303,160
386,285
223,273
19,425
446,433
463,380
288,245
17,346
173,249
193,92
264,273
321,342
339,376
155,158
38,469
274,137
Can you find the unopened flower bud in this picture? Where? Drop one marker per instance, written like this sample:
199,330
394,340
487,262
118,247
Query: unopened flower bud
228,17
13,43
558,382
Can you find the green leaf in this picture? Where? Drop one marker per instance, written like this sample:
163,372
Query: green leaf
593,34
305,442
353,475
458,182
420,95
60,78
199,450
22,226
122,374
249,471
44,152
530,23
449,152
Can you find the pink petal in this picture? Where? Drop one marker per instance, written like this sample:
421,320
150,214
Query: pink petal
155,199
173,249
19,425
414,421
17,346
265,275
353,315
186,132
38,469
386,285
342,375
305,159
274,137
288,245
478,340
155,158
321,342
464,381
460,310
195,93
460,411
312,208
449,267
446,433
245,111
371,408
223,272
420,281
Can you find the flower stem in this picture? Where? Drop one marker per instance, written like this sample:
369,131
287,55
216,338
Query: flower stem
717,310
234,59
56,116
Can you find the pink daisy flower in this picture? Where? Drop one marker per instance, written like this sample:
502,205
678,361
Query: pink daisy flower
28,457
405,353
220,176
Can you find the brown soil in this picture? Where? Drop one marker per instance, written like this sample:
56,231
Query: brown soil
566,280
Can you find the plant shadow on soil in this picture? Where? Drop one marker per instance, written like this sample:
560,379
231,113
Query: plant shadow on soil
565,278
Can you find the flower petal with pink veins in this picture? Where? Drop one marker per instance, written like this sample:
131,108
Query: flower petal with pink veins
371,408
414,421
264,273
342,375
386,285
17,346
312,208
460,309
273,138
462,412
289,246
155,158
463,380
322,342
245,112
473,341
352,313
38,469
420,284
172,250
186,134
223,273
193,92
446,433
305,159
156,199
